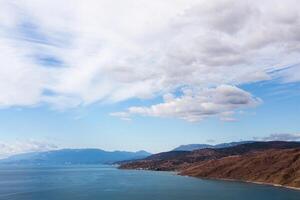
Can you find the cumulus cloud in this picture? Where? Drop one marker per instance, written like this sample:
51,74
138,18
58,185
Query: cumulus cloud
8,149
221,101
112,51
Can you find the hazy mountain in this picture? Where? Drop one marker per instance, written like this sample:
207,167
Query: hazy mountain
74,156
192,147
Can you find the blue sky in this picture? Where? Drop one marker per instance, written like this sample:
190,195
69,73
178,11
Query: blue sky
146,75
92,126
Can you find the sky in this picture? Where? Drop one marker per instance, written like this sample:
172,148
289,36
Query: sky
151,75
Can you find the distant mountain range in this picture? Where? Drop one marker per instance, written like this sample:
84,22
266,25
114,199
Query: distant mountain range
274,162
74,156
192,147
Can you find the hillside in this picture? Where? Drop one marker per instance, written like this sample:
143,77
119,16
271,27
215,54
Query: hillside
269,162
177,160
280,167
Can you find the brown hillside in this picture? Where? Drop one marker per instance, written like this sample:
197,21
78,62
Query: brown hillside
178,160
271,166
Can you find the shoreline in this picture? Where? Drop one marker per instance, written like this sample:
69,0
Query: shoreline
245,181
177,173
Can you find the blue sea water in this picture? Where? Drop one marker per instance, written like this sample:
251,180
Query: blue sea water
99,182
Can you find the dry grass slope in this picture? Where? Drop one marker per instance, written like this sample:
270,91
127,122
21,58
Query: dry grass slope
271,166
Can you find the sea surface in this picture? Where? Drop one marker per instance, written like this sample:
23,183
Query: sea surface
99,182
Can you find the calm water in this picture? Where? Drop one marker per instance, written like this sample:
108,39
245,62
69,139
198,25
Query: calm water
109,183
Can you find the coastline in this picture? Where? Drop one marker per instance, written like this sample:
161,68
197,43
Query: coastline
272,184
245,181
177,173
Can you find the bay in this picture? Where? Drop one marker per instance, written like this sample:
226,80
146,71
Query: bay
104,182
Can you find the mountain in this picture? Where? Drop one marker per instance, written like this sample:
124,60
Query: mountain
246,162
177,160
192,147
74,156
275,166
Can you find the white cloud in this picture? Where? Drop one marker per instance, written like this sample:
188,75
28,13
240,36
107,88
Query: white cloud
221,101
8,149
82,53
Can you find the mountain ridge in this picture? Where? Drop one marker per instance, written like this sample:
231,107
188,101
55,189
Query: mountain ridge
221,163
74,156
192,147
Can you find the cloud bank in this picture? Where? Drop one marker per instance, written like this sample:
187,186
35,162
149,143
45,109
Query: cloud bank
111,51
17,147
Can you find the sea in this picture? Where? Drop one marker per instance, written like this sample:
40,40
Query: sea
105,182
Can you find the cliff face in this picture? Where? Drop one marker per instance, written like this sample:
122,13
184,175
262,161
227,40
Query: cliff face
266,162
270,166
